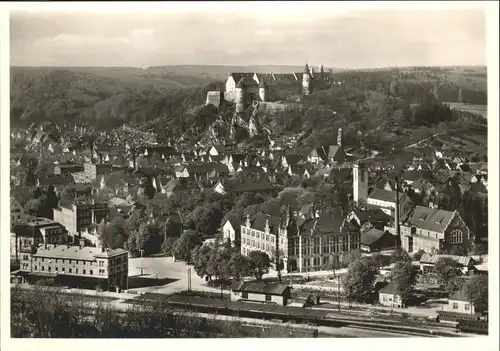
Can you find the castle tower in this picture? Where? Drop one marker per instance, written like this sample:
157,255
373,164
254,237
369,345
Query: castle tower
262,90
339,137
321,69
360,182
240,96
306,81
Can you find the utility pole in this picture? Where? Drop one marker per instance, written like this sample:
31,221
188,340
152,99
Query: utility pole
189,279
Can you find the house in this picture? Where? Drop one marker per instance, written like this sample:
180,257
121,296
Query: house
220,170
291,159
423,186
80,265
459,303
386,201
433,229
301,170
17,212
231,231
427,262
67,168
373,240
216,150
259,291
181,172
170,187
37,231
78,216
376,217
388,296
236,186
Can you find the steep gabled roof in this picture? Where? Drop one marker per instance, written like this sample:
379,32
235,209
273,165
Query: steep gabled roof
431,219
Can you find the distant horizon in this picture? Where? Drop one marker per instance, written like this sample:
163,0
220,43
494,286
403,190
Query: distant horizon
346,39
259,65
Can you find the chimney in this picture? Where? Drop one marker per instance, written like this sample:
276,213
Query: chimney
103,249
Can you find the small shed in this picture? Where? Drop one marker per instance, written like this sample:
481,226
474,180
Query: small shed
259,291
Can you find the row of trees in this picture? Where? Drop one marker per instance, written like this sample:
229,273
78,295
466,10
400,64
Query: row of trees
44,313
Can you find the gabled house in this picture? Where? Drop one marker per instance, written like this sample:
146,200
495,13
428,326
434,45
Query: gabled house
236,186
17,212
386,201
389,296
216,150
291,159
220,170
231,231
376,217
181,172
432,229
301,170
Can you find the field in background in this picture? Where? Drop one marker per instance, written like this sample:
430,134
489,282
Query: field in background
479,109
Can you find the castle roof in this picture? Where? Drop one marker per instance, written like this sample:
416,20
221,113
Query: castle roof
246,82
306,68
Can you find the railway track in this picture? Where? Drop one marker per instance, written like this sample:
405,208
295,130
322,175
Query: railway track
292,315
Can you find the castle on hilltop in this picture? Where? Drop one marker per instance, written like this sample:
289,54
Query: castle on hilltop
245,88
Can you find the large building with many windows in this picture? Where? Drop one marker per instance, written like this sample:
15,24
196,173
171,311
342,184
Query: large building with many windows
302,243
81,266
79,216
432,229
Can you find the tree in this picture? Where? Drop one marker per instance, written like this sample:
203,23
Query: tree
218,264
404,276
452,196
201,257
239,266
149,189
446,269
168,245
418,255
382,260
400,255
359,279
476,290
101,230
184,246
115,236
278,260
260,263
458,250
149,238
348,257
480,249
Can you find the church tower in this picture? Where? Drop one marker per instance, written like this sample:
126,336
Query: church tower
360,182
306,80
340,137
240,96
322,70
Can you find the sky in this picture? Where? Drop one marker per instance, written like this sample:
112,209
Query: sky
250,35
